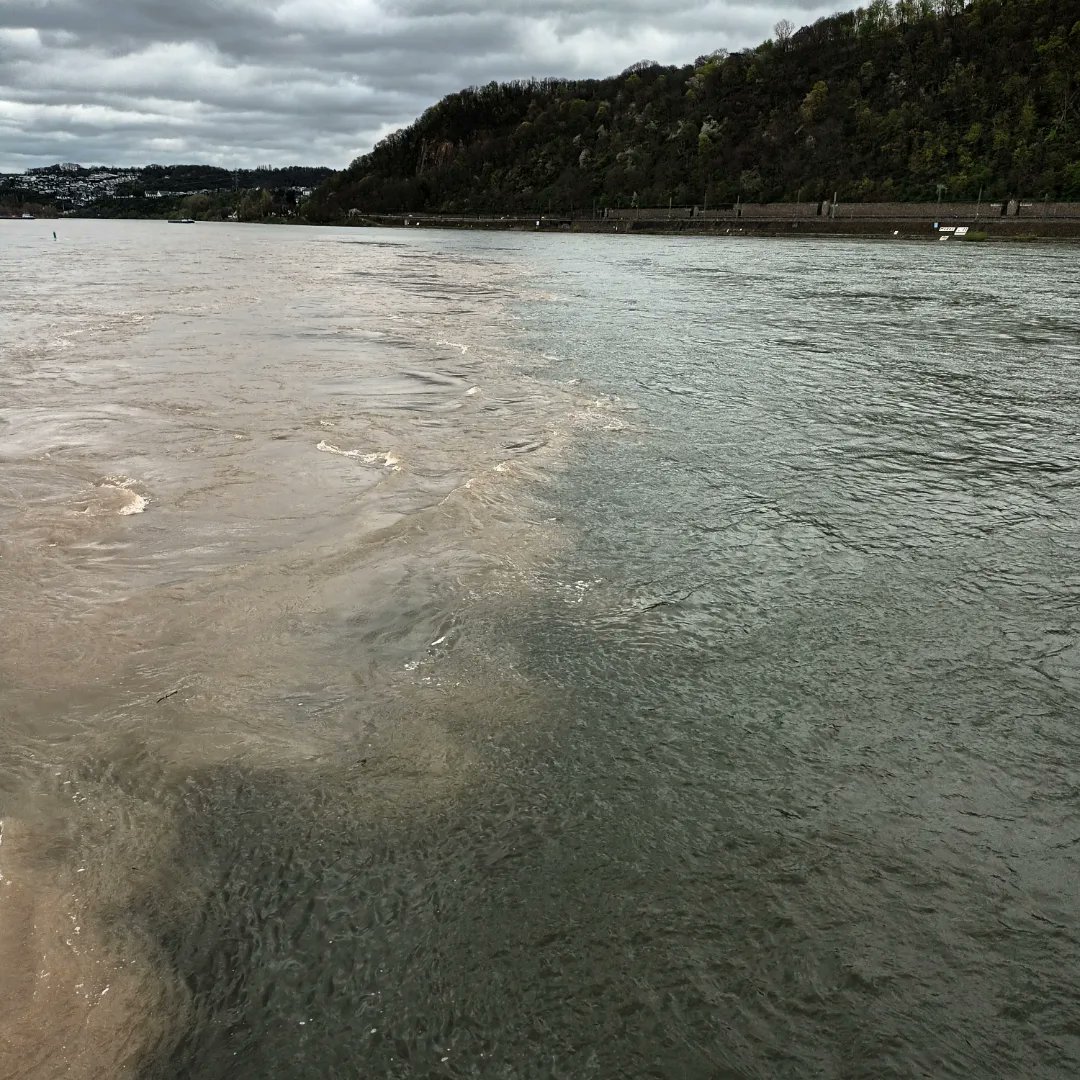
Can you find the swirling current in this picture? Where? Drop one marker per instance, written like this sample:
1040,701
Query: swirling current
433,654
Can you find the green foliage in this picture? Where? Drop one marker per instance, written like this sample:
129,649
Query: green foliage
243,204
14,202
200,178
204,192
815,102
195,205
884,102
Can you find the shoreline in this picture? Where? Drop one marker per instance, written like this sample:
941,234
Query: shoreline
993,230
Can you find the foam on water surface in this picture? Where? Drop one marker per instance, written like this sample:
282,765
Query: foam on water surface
387,459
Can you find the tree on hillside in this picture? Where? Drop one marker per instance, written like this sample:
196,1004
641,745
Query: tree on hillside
884,102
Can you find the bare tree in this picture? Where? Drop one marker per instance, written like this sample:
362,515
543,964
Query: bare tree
783,31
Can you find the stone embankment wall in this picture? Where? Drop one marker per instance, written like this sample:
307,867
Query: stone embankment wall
897,211
1039,210
652,213
761,212
1064,224
888,211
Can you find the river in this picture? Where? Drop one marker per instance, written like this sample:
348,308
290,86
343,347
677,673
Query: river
521,655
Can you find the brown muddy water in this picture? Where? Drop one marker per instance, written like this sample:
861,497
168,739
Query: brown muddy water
486,655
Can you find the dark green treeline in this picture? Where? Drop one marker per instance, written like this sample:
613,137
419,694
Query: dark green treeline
900,101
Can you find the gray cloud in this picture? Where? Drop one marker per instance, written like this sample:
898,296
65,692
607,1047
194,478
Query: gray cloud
239,83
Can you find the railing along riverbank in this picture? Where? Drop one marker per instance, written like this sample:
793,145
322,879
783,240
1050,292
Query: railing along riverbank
1014,220
913,220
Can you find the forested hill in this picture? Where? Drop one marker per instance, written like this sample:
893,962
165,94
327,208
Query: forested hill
887,102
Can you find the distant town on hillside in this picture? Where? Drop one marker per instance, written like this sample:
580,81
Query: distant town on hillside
68,188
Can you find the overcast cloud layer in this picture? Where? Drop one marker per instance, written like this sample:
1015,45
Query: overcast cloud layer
250,82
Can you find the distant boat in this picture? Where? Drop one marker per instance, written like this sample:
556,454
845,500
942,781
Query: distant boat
181,221
28,217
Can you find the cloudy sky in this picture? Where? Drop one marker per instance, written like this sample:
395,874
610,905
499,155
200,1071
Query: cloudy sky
249,82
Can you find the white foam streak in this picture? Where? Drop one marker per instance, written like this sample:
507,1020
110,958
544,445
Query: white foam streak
387,459
454,345
134,503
